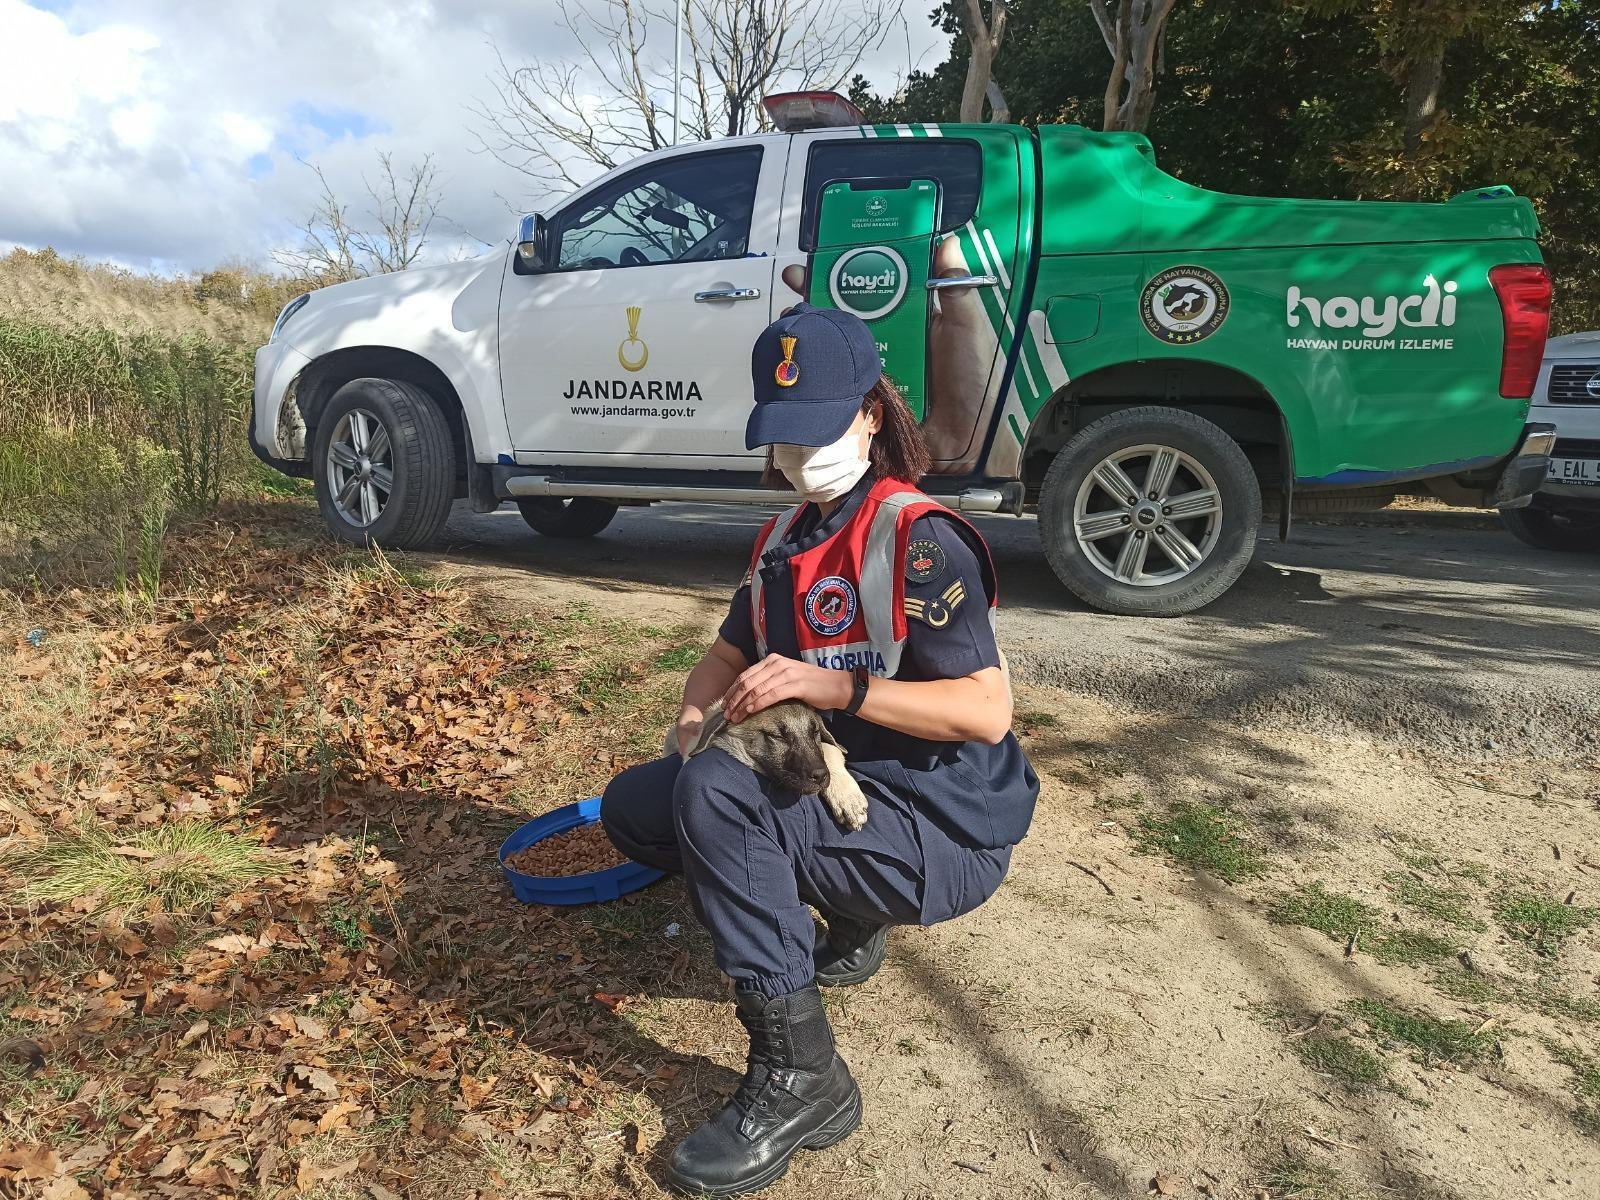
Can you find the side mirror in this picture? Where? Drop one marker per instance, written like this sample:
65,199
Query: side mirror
533,240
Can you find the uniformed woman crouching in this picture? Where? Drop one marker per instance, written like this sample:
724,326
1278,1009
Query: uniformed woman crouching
875,606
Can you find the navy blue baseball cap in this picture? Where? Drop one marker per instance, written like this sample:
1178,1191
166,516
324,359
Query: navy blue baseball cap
811,369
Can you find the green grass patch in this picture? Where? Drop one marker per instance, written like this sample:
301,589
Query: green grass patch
679,658
1468,986
1407,947
1530,991
1584,1067
1442,904
1339,916
349,931
1541,922
1201,836
1342,1058
1433,1037
1301,1180
1423,856
179,866
1332,913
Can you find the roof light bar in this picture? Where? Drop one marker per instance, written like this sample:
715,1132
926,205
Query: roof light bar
792,112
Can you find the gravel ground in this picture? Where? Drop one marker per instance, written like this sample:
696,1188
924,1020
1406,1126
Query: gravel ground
1439,630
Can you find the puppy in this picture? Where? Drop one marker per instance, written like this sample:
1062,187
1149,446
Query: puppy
789,744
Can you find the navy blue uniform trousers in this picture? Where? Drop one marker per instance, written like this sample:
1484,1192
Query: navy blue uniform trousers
755,855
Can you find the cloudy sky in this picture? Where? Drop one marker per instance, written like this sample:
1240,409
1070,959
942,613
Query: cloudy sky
165,134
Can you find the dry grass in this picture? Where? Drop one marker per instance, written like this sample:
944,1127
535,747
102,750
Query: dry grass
231,303
253,898
176,867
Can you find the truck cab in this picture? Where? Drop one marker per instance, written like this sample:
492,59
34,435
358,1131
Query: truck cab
1139,359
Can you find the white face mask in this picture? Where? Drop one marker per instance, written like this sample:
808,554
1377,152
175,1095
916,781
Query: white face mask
822,473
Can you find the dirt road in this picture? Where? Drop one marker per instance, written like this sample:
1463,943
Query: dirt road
1307,909
1443,633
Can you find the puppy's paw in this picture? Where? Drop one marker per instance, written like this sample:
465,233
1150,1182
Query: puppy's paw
847,802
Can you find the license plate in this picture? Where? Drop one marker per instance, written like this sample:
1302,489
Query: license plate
1574,470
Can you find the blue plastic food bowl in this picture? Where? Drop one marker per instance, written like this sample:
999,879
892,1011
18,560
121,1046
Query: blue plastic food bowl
595,887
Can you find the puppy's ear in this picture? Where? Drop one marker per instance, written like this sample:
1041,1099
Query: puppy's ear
824,735
713,724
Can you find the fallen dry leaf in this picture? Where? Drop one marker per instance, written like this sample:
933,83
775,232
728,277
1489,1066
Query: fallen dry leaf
34,1163
317,1079
232,943
475,1091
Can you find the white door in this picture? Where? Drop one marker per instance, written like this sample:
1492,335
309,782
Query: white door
634,349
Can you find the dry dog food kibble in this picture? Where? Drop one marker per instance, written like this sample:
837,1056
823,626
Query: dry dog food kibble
576,852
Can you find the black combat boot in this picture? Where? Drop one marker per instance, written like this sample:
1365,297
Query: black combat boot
796,1094
851,953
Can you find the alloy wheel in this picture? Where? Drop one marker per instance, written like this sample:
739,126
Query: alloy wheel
360,467
1147,515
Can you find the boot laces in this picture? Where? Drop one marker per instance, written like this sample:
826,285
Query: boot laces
768,1048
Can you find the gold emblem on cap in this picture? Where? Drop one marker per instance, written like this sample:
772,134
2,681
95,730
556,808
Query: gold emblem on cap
787,373
640,356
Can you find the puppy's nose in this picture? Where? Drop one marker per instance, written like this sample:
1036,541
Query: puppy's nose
818,780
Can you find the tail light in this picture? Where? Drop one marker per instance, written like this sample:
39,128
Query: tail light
1524,293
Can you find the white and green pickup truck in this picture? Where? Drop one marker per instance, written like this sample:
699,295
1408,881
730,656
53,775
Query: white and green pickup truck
1139,359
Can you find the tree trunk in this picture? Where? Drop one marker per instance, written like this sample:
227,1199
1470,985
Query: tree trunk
1133,37
1422,96
980,64
985,37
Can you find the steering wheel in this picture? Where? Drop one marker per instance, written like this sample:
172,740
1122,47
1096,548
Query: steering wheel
632,256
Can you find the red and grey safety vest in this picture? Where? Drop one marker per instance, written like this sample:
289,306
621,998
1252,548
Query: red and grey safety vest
850,590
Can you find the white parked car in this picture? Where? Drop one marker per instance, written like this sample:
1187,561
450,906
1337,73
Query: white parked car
1565,512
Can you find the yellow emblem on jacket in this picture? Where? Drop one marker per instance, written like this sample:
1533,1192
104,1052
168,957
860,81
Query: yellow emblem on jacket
787,373
936,612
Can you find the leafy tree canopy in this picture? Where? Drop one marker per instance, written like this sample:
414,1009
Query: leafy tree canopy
1309,98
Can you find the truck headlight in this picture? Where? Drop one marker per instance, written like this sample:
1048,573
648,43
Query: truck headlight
289,310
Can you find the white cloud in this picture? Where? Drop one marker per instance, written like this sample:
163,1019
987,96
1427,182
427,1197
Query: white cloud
165,133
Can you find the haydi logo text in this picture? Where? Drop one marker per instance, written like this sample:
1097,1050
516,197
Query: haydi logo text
1433,307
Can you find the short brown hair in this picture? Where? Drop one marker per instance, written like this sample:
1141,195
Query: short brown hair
898,450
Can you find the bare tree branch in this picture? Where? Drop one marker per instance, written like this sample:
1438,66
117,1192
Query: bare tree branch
333,248
558,122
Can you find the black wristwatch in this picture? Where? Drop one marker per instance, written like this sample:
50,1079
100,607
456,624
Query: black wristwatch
859,695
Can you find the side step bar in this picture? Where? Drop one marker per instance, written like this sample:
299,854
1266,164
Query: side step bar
1006,498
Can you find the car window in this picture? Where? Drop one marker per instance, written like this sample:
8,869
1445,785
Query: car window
684,209
956,164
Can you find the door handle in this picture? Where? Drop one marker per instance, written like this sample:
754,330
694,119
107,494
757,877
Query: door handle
732,293
961,281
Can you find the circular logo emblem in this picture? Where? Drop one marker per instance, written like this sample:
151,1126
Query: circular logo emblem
924,560
877,206
787,372
1593,386
1183,305
869,282
830,605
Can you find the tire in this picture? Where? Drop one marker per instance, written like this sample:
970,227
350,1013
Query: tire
1202,459
1573,530
578,517
421,465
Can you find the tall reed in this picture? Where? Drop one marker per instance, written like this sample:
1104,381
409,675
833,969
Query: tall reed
103,436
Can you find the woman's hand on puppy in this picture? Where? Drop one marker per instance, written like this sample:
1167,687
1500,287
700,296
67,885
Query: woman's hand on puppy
776,678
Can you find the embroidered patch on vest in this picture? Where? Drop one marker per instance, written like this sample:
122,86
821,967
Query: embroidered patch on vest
830,605
937,612
925,560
